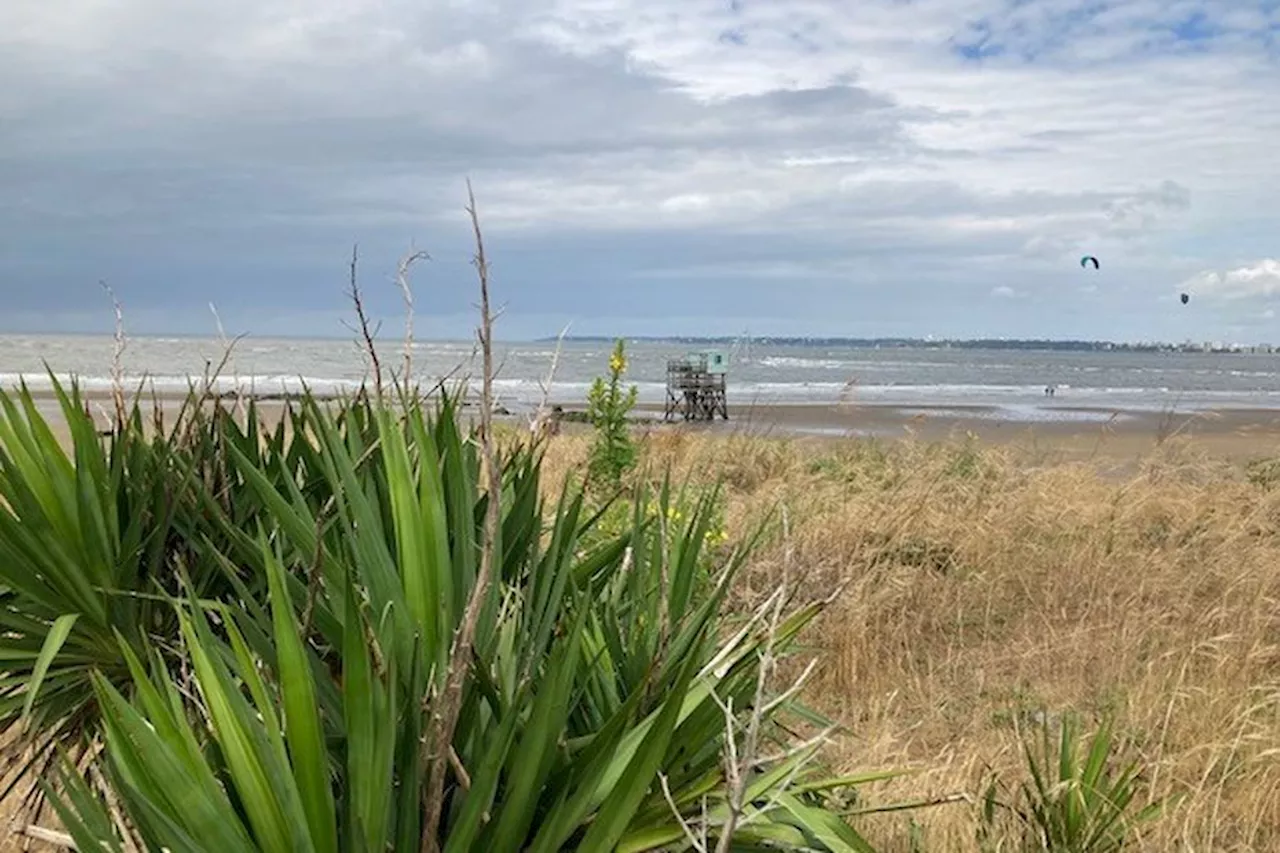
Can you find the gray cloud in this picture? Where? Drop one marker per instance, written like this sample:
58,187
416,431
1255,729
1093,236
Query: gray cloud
817,168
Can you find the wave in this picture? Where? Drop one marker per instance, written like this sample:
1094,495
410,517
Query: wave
806,363
260,385
518,393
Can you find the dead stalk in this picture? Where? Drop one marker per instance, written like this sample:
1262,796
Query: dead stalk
227,347
117,357
540,422
50,836
113,808
213,373
365,332
698,843
444,719
739,764
402,282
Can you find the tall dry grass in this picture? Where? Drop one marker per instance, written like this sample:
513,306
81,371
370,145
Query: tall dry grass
988,588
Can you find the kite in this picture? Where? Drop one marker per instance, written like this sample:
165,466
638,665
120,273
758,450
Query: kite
1084,262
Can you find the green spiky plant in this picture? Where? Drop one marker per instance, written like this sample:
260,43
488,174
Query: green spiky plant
91,538
1078,800
592,718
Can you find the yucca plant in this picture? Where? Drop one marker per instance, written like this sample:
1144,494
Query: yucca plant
90,540
602,690
1077,800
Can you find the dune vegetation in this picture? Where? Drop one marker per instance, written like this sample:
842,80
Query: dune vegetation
984,596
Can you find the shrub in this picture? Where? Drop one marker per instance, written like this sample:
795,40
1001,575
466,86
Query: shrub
606,686
613,451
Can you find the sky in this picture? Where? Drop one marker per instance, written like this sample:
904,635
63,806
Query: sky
787,167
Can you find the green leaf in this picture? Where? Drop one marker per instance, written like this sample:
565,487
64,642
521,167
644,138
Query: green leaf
307,751
52,645
618,807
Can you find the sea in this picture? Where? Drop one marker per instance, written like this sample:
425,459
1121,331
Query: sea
1009,384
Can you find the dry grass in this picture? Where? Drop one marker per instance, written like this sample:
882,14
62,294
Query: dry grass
984,584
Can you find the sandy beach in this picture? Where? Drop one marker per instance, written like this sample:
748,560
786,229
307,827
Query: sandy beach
1238,434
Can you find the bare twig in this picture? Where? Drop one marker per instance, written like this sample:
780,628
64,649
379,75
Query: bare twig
315,575
50,836
698,844
212,372
227,347
113,808
117,356
402,282
447,707
539,423
740,763
464,778
370,350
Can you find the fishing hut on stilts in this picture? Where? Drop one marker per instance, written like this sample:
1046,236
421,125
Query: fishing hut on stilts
696,387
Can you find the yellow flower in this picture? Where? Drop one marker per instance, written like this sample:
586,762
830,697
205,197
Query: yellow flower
617,363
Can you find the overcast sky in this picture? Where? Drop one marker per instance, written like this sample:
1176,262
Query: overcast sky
827,167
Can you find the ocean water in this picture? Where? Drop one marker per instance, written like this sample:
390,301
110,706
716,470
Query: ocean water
1012,383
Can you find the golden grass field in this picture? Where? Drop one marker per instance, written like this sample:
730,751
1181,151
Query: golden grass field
984,584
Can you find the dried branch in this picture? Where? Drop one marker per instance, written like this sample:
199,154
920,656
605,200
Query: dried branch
213,373
117,357
444,720
113,808
538,424
50,836
227,347
370,350
739,764
697,843
402,282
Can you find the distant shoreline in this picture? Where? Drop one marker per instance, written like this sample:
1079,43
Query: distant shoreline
988,344
725,341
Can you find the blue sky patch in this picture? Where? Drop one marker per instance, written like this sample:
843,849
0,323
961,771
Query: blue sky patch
1195,28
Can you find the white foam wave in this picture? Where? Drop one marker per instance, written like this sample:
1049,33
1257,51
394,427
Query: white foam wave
519,394
804,363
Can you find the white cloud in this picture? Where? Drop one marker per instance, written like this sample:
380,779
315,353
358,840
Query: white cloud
865,161
1260,279
1003,291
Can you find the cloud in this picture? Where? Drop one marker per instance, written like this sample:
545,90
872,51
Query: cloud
846,168
1252,281
1004,292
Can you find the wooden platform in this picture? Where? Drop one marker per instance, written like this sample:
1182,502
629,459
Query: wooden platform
693,392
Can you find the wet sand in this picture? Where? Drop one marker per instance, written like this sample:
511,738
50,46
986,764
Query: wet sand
1238,434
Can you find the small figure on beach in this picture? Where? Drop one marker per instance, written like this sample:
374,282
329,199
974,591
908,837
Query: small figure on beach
1050,390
